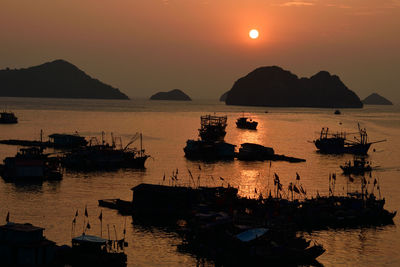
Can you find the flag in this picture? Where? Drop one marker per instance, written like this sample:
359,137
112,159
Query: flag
163,177
334,176
86,213
101,216
295,189
176,171
351,179
255,190
8,217
270,164
290,187
199,167
76,213
297,176
375,182
88,225
222,179
74,220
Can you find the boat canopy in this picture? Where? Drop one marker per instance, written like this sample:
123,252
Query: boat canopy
85,239
251,234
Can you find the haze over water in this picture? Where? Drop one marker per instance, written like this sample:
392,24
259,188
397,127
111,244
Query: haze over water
166,126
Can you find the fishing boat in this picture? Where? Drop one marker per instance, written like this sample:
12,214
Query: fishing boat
103,156
246,123
338,143
91,250
211,145
337,112
358,166
31,164
213,128
8,117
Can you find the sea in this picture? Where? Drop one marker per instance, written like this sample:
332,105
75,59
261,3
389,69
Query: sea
166,126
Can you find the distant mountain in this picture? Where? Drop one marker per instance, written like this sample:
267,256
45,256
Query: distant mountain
223,96
175,94
56,79
276,87
376,99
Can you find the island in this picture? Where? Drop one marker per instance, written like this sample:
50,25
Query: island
56,79
275,87
223,96
376,99
175,94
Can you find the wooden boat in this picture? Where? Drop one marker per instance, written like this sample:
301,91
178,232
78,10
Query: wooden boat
211,145
90,250
8,118
358,166
213,128
246,123
31,164
337,143
103,156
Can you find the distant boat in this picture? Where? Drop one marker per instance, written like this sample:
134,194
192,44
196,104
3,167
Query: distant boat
358,166
246,123
8,118
337,112
31,165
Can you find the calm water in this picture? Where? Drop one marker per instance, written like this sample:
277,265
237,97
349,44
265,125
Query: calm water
166,126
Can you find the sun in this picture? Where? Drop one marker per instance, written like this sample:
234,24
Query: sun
253,34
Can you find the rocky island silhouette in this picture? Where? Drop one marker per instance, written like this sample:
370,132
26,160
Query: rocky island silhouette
275,87
376,99
56,79
175,94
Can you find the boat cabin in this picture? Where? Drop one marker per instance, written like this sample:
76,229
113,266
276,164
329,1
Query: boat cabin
67,140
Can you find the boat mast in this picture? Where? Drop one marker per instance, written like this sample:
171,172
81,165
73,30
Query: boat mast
141,147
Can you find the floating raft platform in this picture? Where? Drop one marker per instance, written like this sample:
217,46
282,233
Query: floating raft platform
124,207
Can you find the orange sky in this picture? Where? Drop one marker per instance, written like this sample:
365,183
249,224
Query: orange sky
202,46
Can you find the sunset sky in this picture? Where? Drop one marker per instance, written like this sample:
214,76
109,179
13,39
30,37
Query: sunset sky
203,46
